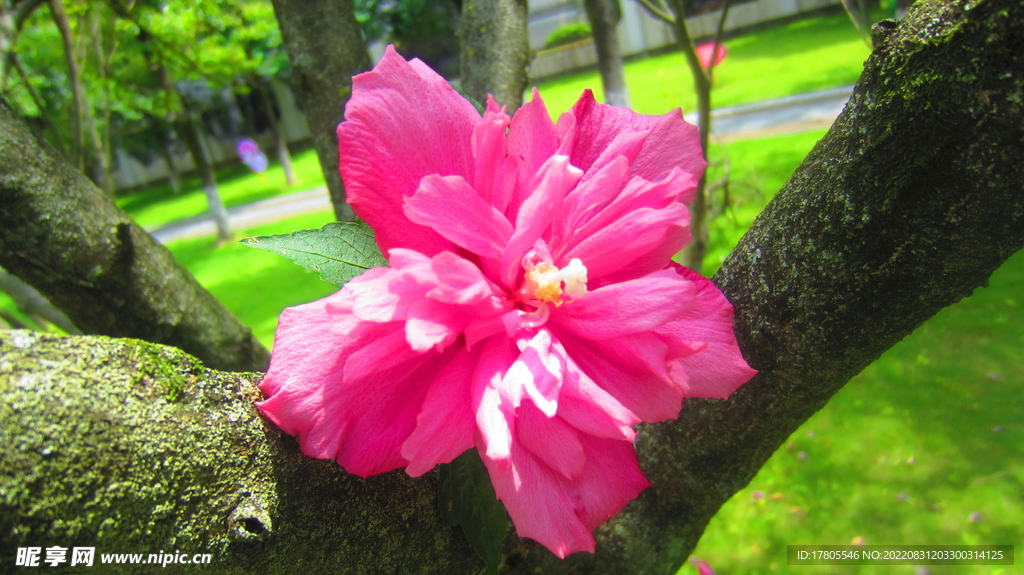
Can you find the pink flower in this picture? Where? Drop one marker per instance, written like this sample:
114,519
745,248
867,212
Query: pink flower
707,50
530,308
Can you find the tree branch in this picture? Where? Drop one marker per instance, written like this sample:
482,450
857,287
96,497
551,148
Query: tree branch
67,239
906,206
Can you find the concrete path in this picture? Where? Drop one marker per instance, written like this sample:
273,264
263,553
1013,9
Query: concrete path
789,115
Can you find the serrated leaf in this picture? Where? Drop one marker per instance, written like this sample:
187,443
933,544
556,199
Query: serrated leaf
479,107
339,251
466,499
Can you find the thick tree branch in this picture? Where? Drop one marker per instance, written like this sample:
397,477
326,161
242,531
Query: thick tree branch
906,206
66,238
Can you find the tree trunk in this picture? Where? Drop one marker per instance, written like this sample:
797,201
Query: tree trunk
906,206
604,16
79,102
326,49
101,146
193,141
172,168
282,145
66,238
693,253
494,50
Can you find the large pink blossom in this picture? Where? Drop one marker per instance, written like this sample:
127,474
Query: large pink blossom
530,308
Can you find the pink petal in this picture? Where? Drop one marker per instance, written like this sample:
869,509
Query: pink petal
670,142
494,416
360,422
611,479
459,281
626,308
537,373
402,123
531,141
625,374
560,513
495,170
554,180
719,369
636,245
449,206
445,426
551,440
592,410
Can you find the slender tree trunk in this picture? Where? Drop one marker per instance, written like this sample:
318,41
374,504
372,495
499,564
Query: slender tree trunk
494,50
60,17
67,239
694,252
101,149
282,145
604,16
189,130
326,49
172,168
907,205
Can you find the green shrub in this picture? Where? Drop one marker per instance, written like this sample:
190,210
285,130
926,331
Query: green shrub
568,34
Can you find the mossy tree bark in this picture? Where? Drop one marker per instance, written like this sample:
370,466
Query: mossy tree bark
494,50
66,238
906,206
326,49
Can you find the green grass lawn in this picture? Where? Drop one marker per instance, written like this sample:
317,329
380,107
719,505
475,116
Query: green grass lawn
237,185
804,56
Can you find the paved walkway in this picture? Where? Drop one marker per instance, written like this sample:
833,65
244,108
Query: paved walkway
789,115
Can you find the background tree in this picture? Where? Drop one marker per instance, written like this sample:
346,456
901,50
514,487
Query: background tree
693,253
494,46
907,205
604,16
325,49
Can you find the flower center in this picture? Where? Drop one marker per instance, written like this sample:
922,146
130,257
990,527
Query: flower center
545,282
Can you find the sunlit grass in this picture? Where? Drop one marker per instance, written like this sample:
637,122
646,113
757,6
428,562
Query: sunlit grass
255,285
795,58
926,436
237,186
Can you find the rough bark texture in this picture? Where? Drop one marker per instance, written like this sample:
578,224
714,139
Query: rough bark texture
604,16
906,206
132,447
494,48
65,237
326,49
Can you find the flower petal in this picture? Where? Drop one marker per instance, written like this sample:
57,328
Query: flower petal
400,126
627,307
453,209
719,369
445,426
670,142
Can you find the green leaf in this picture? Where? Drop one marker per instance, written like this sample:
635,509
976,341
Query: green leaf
338,251
479,107
466,498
